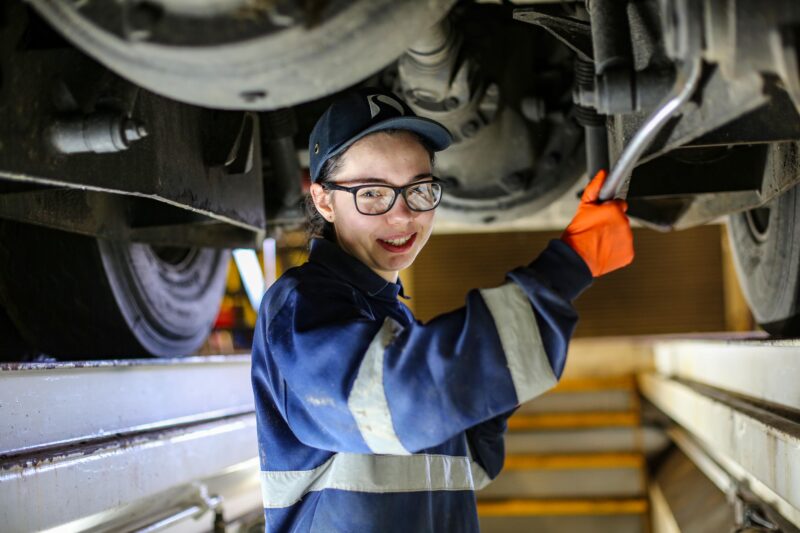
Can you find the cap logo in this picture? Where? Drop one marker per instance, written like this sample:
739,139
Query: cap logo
375,101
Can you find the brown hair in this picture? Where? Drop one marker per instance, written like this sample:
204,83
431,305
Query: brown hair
316,225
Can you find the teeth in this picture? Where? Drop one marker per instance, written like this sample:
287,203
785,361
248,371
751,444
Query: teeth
398,242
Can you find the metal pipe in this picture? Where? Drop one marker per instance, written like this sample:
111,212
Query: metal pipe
195,510
252,275
431,42
685,84
429,68
99,133
180,516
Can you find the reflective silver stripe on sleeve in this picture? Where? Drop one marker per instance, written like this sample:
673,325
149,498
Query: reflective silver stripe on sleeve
516,324
375,474
367,401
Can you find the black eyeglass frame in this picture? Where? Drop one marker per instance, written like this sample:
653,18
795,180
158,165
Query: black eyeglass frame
398,191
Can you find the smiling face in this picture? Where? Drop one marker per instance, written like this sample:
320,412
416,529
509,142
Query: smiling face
389,242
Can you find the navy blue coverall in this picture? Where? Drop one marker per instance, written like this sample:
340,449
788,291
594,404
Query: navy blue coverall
371,421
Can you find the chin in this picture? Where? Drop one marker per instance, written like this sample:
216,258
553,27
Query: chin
398,263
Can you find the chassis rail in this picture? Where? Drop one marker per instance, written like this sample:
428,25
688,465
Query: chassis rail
128,445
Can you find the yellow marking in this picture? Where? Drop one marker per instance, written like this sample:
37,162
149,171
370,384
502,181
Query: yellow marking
561,507
627,382
573,420
573,461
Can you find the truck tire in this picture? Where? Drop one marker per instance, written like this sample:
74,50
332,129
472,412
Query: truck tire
766,244
225,55
77,297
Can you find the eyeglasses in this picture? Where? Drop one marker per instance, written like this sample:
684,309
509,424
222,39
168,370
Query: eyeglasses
379,199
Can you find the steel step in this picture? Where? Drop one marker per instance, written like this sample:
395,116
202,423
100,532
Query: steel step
593,475
612,394
601,419
612,439
575,462
607,515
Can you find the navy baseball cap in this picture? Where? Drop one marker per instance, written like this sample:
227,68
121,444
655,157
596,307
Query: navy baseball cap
361,112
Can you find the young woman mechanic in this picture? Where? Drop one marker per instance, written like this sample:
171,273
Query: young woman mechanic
369,420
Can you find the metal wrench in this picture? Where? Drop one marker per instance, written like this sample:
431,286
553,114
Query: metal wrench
685,84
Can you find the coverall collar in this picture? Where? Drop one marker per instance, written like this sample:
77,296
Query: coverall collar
333,257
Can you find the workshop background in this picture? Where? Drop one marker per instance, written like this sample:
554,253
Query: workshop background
692,270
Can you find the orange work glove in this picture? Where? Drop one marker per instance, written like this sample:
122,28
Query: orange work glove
600,232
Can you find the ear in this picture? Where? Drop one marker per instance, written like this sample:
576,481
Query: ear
323,201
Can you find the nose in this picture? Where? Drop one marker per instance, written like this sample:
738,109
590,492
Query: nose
399,212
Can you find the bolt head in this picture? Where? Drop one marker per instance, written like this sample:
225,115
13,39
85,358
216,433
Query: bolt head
133,130
142,18
514,181
451,103
424,95
253,96
470,129
534,109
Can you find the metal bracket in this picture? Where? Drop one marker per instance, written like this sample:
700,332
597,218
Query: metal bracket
199,505
750,518
575,34
786,48
201,164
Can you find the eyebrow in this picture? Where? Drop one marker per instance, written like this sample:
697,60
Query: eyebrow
370,179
